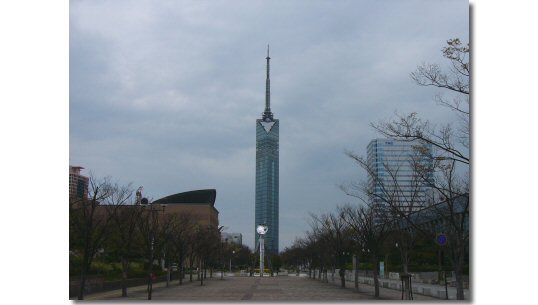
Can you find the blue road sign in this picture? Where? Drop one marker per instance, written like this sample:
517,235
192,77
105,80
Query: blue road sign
440,239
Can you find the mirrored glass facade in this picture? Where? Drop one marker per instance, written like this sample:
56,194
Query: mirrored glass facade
394,176
267,181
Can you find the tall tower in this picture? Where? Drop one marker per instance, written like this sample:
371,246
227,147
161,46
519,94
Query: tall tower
267,171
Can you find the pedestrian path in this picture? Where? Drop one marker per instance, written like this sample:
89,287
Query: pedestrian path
278,288
418,288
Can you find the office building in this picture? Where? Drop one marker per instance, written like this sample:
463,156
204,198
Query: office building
399,174
267,205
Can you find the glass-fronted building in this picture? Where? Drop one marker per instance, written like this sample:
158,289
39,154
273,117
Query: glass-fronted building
267,181
400,172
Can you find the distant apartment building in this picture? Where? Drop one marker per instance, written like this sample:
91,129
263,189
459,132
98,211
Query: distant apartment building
78,184
400,172
232,238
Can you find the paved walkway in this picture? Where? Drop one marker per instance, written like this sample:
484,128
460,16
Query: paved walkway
278,288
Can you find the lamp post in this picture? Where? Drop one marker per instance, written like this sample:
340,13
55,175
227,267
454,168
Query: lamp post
153,210
222,259
441,240
365,254
356,269
262,230
396,245
233,253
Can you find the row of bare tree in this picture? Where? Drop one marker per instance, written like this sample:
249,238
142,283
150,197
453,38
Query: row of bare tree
406,216
355,230
110,221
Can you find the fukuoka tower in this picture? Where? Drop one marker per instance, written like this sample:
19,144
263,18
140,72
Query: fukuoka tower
267,172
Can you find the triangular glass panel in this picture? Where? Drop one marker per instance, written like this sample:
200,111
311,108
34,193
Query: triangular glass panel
267,126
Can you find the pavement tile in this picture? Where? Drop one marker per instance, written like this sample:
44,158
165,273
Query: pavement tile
278,288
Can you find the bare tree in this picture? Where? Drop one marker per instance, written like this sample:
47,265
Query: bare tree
90,221
205,244
192,249
165,244
334,230
295,257
456,81
148,228
124,240
180,232
451,151
398,199
317,238
320,256
371,233
452,216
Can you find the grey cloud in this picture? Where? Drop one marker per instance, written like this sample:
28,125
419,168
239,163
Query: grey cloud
165,94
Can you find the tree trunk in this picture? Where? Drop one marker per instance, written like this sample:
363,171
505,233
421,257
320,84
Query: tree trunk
405,261
124,266
356,269
168,274
181,271
200,273
459,273
386,268
407,294
81,287
376,277
191,265
342,274
83,273
459,287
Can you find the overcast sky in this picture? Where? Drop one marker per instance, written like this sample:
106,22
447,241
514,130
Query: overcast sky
165,94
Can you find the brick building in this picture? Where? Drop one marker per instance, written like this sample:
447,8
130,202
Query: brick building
199,205
78,184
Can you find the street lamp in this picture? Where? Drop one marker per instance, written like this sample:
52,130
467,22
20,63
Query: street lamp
262,230
154,211
222,253
233,253
366,254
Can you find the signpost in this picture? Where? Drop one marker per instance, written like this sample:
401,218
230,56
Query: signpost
382,269
442,240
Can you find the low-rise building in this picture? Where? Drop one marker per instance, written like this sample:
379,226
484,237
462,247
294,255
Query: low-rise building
199,205
232,238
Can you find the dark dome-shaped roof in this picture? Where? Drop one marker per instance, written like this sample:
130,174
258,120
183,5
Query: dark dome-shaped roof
192,197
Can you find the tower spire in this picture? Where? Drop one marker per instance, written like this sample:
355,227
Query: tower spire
267,113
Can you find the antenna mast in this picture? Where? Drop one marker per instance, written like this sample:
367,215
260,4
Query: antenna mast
267,114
